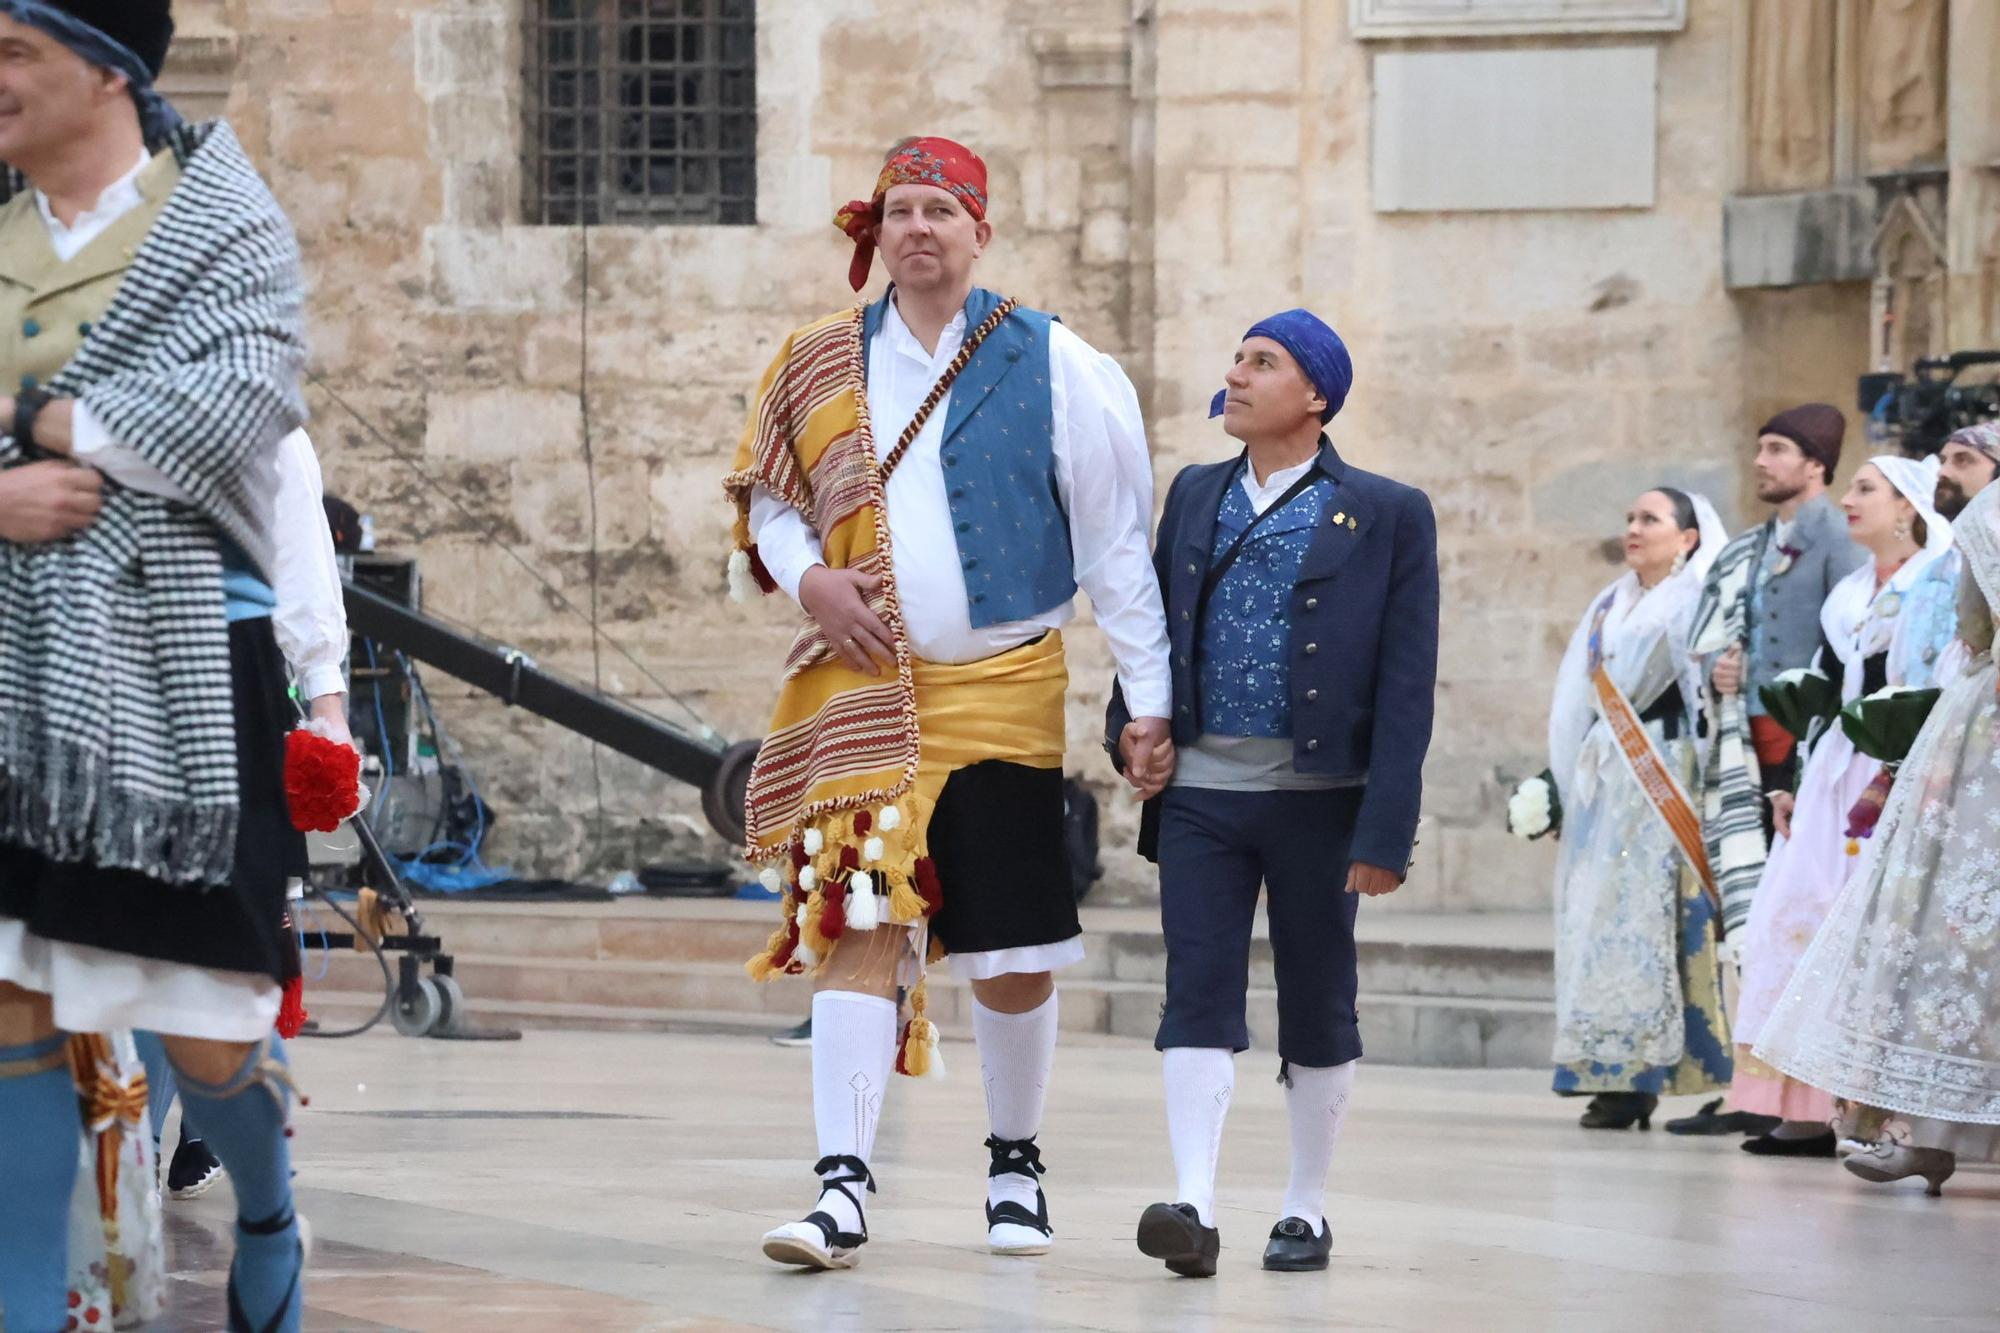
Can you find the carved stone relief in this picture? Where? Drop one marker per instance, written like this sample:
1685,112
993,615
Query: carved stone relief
1903,83
1789,102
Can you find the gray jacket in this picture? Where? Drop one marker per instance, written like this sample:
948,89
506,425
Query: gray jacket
1784,609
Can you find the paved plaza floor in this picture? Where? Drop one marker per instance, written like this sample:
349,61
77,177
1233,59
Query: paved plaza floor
610,1181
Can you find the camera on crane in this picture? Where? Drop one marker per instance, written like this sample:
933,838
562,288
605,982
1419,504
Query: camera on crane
1918,411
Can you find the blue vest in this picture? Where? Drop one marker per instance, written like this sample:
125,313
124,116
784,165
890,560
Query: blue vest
1246,632
245,594
1000,468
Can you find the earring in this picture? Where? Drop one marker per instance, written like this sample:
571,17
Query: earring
1680,562
1903,529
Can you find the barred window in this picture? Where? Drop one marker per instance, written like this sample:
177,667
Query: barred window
642,111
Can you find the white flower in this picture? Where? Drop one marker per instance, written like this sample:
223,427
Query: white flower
1529,809
892,818
815,842
872,850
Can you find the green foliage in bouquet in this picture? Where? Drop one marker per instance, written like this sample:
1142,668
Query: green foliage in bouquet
1884,725
1800,699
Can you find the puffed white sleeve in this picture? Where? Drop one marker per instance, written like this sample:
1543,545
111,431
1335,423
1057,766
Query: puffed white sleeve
311,620
1104,472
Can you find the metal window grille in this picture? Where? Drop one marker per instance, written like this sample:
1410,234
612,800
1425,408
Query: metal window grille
642,111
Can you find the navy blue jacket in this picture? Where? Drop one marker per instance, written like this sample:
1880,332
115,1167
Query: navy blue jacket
1364,639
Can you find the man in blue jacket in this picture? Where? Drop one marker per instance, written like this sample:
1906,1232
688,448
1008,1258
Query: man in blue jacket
1302,603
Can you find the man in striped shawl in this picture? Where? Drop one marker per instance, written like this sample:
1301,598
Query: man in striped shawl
150,335
1759,617
931,476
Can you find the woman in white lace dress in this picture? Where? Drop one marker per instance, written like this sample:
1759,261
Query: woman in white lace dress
1880,631
1638,991
1897,1004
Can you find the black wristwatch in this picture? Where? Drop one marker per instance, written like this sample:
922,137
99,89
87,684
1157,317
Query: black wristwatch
28,405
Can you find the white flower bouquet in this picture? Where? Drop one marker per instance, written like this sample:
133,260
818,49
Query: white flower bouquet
1535,809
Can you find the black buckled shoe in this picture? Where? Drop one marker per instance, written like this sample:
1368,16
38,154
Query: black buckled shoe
1294,1248
816,1241
1712,1119
1813,1145
1010,1227
1173,1234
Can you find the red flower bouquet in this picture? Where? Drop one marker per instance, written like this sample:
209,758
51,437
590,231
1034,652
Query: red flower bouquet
322,779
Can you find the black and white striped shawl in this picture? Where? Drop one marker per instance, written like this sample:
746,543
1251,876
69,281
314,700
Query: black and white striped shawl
117,734
1732,797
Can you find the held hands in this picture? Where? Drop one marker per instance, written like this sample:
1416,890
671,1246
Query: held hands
1783,803
837,600
1372,880
1147,748
1728,674
47,502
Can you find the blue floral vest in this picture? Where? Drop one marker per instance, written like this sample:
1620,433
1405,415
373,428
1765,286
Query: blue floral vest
1000,468
1246,633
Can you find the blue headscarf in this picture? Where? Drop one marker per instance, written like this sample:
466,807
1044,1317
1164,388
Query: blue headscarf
157,117
1318,350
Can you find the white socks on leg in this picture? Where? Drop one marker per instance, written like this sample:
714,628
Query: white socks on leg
853,1051
1016,1052
1317,1100
1200,1081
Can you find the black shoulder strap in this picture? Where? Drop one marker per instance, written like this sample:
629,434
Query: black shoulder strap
1228,558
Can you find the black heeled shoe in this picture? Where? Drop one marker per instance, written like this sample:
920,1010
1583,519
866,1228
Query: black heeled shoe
239,1322
1620,1110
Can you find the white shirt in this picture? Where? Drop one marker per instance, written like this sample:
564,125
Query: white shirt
311,620
1274,487
1104,476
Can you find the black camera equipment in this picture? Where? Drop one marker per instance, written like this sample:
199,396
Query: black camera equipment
1919,410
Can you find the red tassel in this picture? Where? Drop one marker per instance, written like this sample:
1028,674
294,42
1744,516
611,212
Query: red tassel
799,858
928,887
863,821
292,1013
850,859
833,912
761,574
783,957
902,1051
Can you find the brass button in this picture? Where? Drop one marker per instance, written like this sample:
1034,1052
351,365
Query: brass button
1312,603
1312,745
1311,648
1312,696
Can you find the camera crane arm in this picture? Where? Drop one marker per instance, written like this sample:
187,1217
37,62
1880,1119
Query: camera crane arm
718,769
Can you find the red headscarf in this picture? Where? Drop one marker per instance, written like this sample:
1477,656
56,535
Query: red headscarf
951,167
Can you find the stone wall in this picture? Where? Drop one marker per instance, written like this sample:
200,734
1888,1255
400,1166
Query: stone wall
1164,172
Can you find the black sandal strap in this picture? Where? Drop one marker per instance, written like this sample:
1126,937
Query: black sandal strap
270,1226
855,1173
239,1322
1017,1157
1007,1210
836,1239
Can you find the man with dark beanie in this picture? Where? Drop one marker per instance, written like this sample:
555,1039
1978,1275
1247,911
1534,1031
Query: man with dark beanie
151,333
1759,618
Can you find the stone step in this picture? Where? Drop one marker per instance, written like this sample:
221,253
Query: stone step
1397,1027
1497,956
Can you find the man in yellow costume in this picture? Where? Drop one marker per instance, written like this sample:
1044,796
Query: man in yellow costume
931,475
